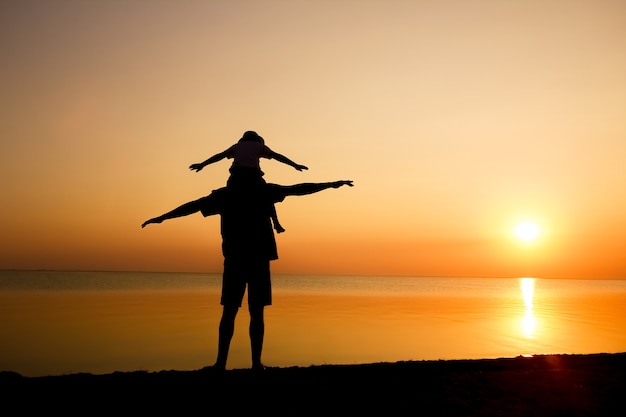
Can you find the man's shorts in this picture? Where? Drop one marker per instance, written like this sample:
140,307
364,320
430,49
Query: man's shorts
255,274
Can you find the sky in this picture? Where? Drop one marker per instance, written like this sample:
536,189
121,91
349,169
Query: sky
456,120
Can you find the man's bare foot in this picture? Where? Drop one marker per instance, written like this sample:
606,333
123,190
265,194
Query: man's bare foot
258,367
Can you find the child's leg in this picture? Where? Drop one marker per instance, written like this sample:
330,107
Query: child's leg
274,216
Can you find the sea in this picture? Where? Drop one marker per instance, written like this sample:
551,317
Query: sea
66,322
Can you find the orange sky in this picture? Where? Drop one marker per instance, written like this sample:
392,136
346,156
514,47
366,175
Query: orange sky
455,119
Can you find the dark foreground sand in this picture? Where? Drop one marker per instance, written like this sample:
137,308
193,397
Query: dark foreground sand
548,385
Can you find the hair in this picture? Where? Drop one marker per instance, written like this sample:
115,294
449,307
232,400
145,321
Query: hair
252,136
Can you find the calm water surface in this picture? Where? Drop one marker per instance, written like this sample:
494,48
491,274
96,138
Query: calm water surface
54,323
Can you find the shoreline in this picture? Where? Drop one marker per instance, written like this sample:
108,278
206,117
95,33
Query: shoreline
541,385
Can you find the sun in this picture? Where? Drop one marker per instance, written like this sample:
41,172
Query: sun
527,231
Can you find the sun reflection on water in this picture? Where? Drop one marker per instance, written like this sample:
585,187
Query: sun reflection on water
528,321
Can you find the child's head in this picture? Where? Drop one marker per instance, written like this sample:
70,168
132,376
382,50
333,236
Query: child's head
252,136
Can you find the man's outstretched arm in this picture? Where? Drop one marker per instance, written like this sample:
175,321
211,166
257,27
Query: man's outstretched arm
210,205
180,211
313,187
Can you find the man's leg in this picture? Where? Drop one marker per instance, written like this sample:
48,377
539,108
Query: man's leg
257,331
227,328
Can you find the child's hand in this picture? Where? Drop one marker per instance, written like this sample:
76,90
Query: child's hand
196,167
300,167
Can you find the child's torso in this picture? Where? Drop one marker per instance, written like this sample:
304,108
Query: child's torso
248,154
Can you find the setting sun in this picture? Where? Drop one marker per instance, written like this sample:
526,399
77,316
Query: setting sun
527,231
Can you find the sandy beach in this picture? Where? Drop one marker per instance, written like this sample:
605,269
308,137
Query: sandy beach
545,385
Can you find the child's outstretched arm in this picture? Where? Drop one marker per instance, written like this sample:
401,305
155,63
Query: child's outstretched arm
215,158
285,160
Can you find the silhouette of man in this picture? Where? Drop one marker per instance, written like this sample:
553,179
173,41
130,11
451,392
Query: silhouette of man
248,246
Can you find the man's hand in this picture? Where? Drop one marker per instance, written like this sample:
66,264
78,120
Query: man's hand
338,184
300,167
151,221
196,167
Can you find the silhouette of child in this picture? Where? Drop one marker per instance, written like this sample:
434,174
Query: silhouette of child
245,169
